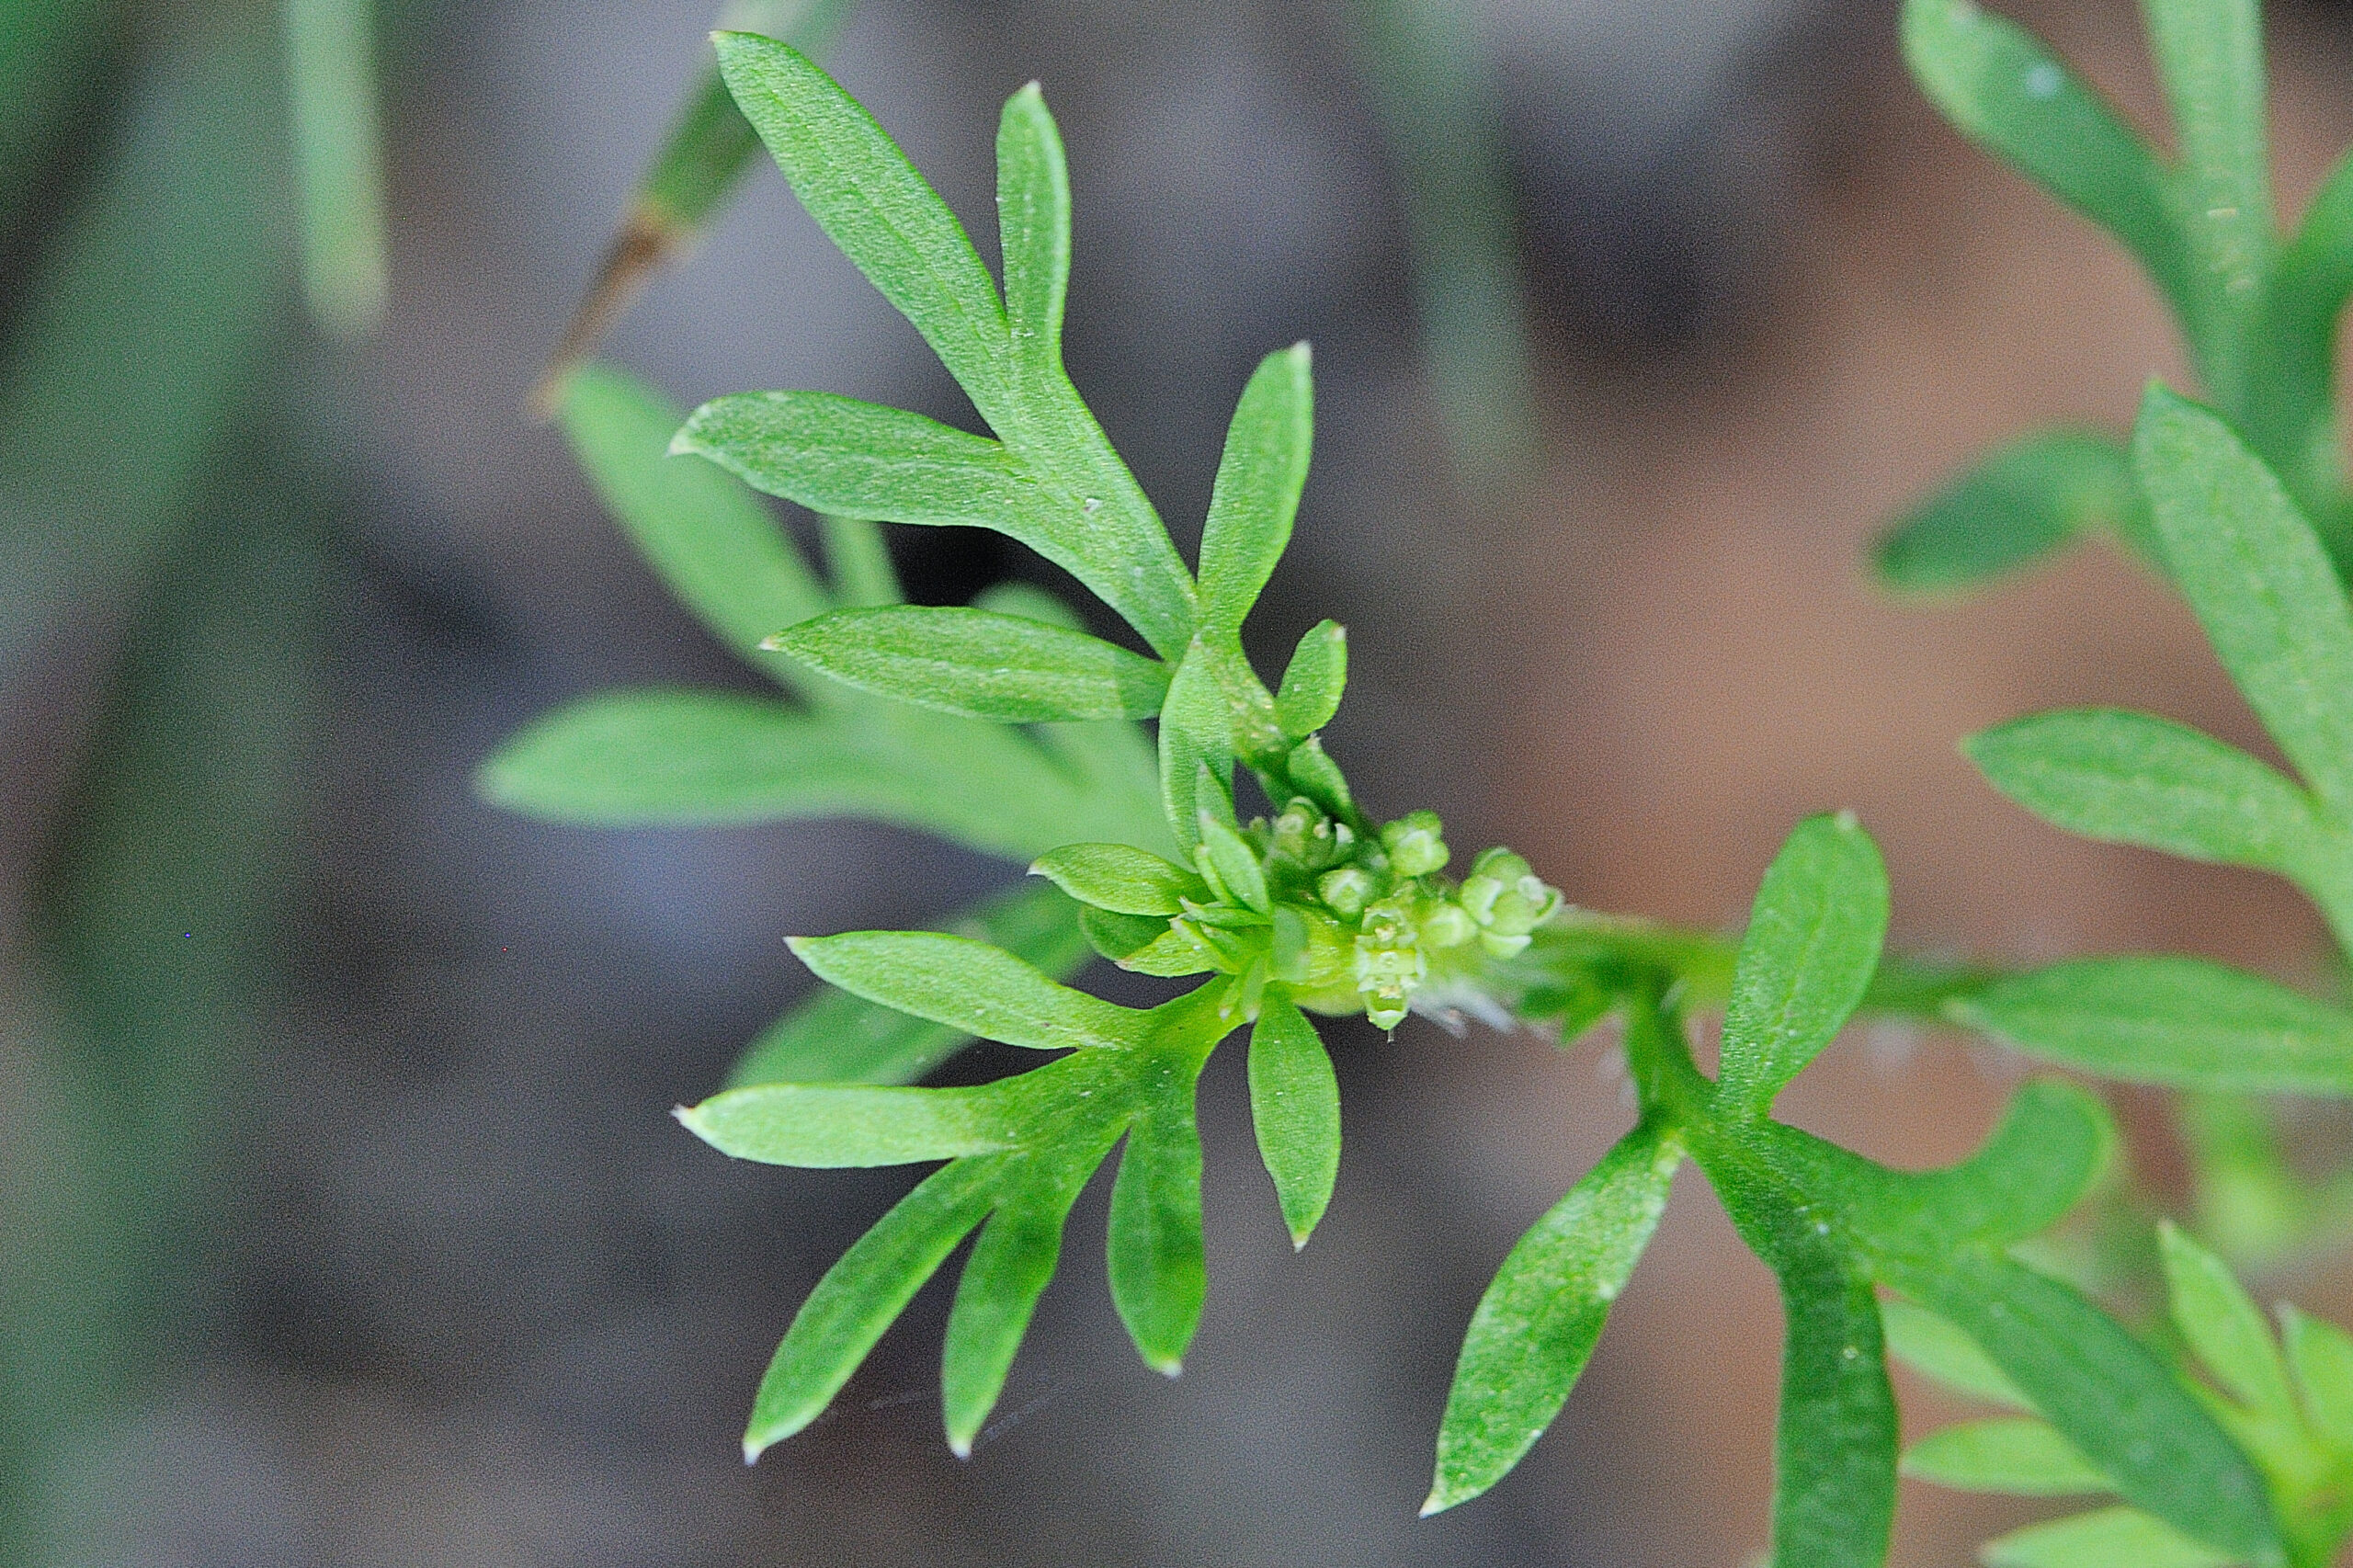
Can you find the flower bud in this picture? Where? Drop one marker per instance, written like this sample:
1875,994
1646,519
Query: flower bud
1347,890
1415,843
1507,900
1447,925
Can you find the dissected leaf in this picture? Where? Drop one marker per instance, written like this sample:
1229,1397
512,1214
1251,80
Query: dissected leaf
2110,1537
1123,879
1033,232
2015,1454
2168,1019
1314,680
2053,1142
1295,1111
2017,504
2132,779
2322,1354
1539,1319
1812,941
2209,59
834,1037
1937,1350
1158,1267
2011,96
714,545
1196,734
970,986
858,558
1009,1269
1258,483
2223,1324
2262,587
819,1126
1230,856
979,663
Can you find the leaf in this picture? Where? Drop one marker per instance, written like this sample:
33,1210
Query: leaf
978,664
1538,1323
970,986
677,759
2110,1537
825,1126
2018,503
2210,58
714,546
1158,1268
2113,1401
1195,733
2167,1019
1009,1269
2009,94
1033,232
1295,1109
862,1295
2224,1326
331,92
2015,1454
872,203
1117,877
858,558
2322,1354
2053,1143
2132,779
834,1037
2262,586
1314,680
1942,1353
1813,942
1232,858
1258,482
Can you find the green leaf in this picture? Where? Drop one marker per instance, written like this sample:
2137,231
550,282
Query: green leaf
1232,860
2114,1401
858,558
2322,1354
677,759
1258,482
978,664
834,1037
714,546
1196,732
970,986
2262,586
1009,1269
2110,1537
1117,877
2223,1324
1813,942
2018,503
1158,1268
2053,1143
2009,94
338,161
2132,779
1115,936
824,1126
2169,1020
1295,1108
1033,232
869,200
1541,1318
1314,680
2209,57
2015,1454
1937,1350
862,1295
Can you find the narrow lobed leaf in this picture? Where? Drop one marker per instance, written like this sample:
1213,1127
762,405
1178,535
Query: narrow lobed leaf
2013,1454
1314,680
862,1295
2110,1538
1933,1347
2053,1143
970,986
1538,1323
1010,1266
1230,856
1295,1112
2016,504
1033,232
2223,1324
1256,493
1196,734
1835,1446
2168,1019
2209,55
2262,586
1812,943
978,664
1123,879
2132,779
825,1126
2322,1354
1158,1267
858,558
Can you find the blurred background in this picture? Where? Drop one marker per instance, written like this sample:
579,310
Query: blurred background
344,1223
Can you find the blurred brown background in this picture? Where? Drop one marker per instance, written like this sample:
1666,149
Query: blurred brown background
455,1289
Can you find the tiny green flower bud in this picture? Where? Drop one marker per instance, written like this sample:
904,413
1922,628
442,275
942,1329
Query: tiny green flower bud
1503,946
1304,835
1506,898
1347,890
1416,843
1447,925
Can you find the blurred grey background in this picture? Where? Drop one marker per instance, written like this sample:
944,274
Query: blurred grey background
437,1280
